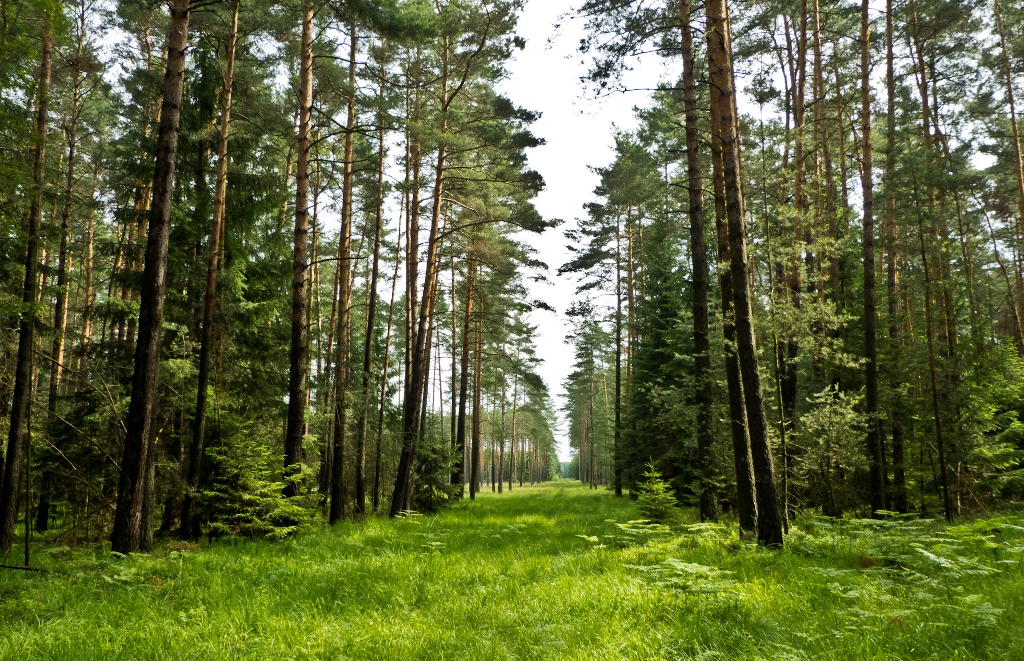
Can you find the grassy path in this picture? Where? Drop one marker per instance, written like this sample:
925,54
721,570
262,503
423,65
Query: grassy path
541,573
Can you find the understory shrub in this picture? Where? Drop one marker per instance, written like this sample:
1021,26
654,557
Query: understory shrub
655,498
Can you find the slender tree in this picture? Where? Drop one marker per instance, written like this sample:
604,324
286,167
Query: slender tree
130,528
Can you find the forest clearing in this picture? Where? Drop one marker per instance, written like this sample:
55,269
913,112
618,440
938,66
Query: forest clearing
511,329
545,572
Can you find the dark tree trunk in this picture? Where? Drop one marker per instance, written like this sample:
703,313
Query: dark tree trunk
769,524
899,484
617,448
874,445
698,255
475,461
129,523
746,505
298,356
460,429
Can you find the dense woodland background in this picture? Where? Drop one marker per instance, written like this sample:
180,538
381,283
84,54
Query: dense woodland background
263,263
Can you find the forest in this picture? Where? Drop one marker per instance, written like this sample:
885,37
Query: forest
274,346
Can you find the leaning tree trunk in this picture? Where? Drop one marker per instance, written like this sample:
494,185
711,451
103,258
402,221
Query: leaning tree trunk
698,256
17,438
746,505
190,523
298,356
769,524
135,461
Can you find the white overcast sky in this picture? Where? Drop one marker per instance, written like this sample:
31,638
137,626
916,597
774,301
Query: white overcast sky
579,130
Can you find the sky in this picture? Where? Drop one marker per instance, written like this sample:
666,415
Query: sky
579,130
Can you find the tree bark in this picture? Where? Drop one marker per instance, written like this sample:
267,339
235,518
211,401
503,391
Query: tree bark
475,464
698,256
746,505
298,356
341,364
769,524
874,442
899,492
460,430
800,203
417,375
129,521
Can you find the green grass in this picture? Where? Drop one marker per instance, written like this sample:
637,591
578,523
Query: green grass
541,573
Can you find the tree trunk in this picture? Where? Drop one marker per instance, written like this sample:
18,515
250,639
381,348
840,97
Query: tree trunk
899,492
341,363
746,505
136,459
512,440
88,295
769,525
421,354
698,256
800,203
616,456
298,356
384,376
475,465
17,438
500,477
460,438
874,445
190,523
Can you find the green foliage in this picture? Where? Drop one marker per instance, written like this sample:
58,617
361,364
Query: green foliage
655,498
242,497
832,450
433,470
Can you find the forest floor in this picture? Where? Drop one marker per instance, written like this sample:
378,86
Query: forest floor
549,572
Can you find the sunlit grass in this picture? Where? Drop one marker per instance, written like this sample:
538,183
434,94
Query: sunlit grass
538,573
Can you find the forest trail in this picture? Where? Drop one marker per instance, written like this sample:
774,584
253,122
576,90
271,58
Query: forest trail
553,571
